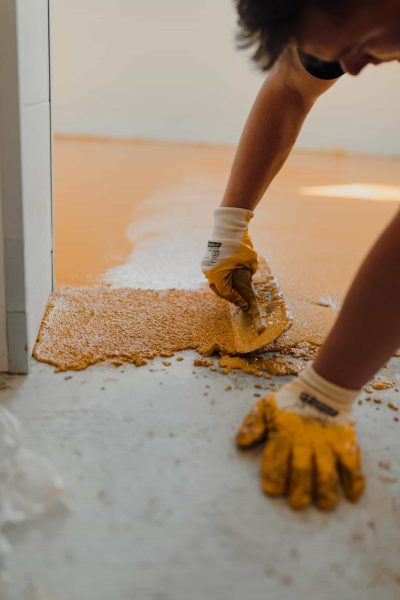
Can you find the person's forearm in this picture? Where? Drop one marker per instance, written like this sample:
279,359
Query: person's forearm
268,137
367,331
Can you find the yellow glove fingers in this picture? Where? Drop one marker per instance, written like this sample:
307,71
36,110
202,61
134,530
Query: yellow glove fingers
351,476
326,478
275,464
300,483
254,427
305,457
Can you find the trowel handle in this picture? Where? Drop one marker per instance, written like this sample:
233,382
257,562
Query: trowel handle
243,284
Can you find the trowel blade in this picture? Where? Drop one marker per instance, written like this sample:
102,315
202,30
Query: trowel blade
273,309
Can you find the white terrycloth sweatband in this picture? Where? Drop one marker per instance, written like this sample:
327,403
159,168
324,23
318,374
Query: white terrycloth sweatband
313,395
230,223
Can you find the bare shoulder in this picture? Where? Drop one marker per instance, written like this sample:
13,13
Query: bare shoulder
294,74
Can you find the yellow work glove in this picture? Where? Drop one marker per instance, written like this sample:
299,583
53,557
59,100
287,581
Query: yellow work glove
229,248
311,443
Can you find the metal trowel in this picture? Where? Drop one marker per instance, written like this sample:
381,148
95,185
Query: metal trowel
267,315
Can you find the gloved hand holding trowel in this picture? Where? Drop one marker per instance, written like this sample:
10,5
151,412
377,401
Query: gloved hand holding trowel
229,249
311,440
258,316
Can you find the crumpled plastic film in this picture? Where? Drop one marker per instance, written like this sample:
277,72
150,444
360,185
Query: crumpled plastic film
29,483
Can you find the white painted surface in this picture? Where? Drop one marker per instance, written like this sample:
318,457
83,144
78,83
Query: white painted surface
25,151
36,185
169,70
161,506
34,78
34,50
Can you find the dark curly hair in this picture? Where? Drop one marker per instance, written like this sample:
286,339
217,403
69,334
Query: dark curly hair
270,24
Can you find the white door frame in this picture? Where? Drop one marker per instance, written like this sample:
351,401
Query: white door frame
26,272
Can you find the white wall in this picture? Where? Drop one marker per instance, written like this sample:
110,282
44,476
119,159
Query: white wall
169,70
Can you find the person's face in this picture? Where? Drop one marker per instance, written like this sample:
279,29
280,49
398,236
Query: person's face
371,35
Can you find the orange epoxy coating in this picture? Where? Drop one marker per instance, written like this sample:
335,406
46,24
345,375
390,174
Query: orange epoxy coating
100,186
313,244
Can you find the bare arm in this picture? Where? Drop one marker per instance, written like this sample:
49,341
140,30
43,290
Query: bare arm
367,331
271,129
270,132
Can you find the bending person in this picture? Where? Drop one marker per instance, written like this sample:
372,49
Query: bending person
311,443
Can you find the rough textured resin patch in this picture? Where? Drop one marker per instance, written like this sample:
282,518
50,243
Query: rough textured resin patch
85,326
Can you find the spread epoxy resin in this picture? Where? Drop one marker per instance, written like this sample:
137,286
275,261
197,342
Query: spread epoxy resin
84,326
132,219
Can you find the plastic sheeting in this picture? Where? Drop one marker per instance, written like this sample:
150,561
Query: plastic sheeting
29,483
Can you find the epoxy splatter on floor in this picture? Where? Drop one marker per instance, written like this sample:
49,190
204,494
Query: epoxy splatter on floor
382,384
259,365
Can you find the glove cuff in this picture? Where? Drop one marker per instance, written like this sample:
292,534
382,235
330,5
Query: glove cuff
311,395
230,223
326,390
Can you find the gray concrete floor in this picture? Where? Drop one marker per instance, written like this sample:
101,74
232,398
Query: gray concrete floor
161,506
